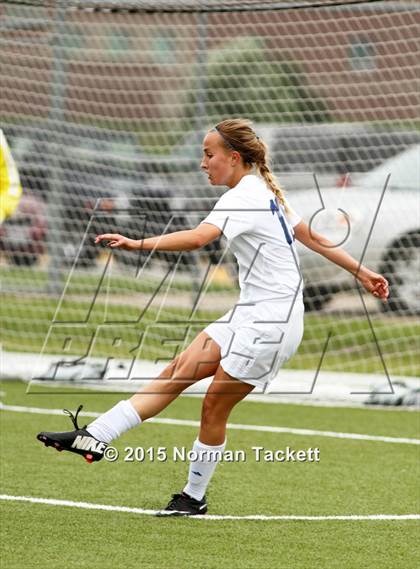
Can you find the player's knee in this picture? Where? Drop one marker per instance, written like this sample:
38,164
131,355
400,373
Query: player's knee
170,369
185,367
213,410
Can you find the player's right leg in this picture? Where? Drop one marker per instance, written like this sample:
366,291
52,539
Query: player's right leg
222,395
200,360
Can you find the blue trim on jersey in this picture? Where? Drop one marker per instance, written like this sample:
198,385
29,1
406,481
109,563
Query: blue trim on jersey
275,209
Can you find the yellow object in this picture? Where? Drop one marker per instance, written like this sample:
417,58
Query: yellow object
10,188
220,276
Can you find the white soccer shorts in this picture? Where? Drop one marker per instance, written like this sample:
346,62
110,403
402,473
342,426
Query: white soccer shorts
256,340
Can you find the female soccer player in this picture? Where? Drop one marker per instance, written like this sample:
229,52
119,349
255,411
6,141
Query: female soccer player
247,346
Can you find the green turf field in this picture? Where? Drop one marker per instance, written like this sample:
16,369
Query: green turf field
353,477
351,348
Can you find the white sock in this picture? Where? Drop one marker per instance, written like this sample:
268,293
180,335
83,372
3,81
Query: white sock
114,422
201,470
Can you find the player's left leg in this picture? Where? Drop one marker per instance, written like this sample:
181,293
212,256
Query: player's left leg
223,394
201,359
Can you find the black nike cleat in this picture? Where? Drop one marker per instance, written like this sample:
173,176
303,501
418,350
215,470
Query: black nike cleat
184,505
79,441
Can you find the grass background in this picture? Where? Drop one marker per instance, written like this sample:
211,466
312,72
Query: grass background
352,477
26,320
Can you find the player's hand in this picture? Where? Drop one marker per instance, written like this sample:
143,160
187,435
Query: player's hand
375,284
116,241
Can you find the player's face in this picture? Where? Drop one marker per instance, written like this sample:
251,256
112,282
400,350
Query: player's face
218,162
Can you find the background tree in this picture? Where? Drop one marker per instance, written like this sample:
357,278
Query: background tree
244,79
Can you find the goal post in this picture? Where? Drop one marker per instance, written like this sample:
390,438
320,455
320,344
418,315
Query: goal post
105,104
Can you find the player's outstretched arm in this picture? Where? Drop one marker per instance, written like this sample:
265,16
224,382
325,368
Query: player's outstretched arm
178,241
373,282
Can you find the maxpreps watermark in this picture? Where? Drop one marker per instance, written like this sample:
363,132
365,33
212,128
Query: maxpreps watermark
182,454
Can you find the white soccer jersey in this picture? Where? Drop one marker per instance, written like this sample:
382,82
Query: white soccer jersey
260,235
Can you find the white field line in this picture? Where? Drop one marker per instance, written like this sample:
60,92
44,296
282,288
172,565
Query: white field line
125,509
261,428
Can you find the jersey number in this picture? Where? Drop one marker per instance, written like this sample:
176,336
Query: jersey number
275,209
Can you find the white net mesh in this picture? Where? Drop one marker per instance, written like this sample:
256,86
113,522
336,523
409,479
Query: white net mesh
110,101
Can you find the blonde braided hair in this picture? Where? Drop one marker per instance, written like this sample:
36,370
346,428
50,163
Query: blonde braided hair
237,134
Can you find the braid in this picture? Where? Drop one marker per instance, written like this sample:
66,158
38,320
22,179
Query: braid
238,135
271,181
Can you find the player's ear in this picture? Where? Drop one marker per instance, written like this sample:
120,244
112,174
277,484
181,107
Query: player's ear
235,157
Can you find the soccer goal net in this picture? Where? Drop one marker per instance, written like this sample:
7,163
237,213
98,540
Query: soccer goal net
104,105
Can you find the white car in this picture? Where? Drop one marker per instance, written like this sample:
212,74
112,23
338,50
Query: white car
377,220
